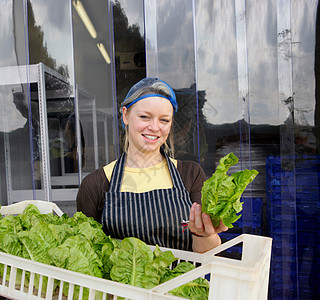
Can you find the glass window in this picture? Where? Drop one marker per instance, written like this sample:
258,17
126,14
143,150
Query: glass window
37,87
257,64
94,86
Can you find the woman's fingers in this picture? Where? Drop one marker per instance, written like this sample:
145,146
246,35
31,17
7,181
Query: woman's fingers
209,229
195,220
201,224
198,219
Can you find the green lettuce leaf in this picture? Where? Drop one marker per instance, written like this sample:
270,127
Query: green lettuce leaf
106,252
30,216
37,241
130,260
95,235
61,232
76,254
10,224
221,194
10,243
197,289
79,218
155,270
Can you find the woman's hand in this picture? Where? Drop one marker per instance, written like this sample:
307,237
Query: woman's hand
205,235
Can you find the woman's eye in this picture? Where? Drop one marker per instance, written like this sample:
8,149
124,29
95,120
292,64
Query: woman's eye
165,120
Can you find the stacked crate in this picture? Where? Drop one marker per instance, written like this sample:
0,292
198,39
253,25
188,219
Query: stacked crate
293,217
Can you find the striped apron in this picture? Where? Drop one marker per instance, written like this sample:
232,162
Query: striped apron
154,216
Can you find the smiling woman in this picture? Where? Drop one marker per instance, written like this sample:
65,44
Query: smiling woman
147,193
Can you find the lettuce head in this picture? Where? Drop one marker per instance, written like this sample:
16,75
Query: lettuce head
220,195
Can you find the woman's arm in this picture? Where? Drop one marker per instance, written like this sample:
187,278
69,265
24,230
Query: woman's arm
90,197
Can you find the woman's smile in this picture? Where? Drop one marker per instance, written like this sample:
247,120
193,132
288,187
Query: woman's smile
150,137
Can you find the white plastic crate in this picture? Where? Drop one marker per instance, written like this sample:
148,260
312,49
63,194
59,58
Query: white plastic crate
45,207
229,278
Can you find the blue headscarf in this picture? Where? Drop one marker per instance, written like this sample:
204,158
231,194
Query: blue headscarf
150,87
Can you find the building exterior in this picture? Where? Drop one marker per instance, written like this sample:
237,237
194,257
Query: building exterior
246,74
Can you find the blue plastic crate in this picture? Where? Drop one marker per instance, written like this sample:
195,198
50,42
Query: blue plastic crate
278,251
273,196
308,208
281,189
228,235
280,225
310,179
293,220
311,235
248,221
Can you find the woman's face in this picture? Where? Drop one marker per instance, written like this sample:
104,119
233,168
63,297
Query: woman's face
149,122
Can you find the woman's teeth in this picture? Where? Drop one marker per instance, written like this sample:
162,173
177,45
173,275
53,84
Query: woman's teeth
150,137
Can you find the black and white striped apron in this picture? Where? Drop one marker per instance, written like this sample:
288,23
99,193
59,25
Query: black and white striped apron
154,216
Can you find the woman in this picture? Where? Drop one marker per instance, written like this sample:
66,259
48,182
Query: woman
145,193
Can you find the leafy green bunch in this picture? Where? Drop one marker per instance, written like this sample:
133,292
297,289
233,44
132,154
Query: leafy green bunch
220,195
79,244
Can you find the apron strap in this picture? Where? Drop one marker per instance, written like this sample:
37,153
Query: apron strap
175,175
117,174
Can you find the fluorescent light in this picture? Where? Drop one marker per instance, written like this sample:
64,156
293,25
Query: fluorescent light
84,17
104,52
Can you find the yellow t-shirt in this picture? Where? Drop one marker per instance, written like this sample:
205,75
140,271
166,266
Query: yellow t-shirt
137,180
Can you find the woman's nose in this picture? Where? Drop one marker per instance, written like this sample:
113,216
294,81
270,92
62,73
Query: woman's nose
154,124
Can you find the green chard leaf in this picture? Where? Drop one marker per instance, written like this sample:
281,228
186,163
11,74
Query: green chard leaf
76,254
221,194
79,217
10,243
37,241
130,260
197,289
155,270
10,224
106,252
95,235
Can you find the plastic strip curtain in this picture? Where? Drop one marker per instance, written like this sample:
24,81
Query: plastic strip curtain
243,82
155,65
151,41
26,39
196,75
244,98
116,133
288,218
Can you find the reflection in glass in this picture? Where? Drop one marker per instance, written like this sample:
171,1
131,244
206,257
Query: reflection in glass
281,118
171,48
129,47
94,87
42,97
50,35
